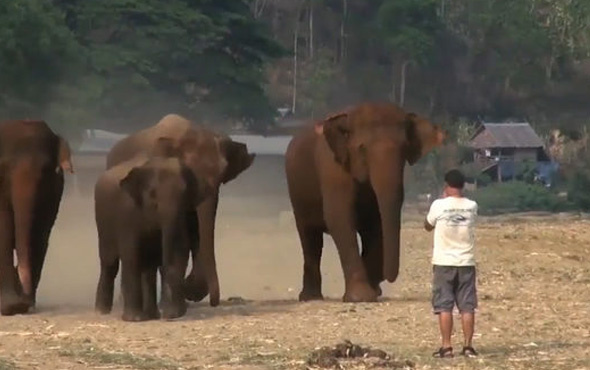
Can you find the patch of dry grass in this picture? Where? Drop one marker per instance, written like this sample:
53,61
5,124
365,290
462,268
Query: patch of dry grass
533,276
92,355
7,365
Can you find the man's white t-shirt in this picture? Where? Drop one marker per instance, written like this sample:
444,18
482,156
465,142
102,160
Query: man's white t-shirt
454,238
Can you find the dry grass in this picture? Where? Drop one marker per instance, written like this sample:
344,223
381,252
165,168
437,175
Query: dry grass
534,305
534,273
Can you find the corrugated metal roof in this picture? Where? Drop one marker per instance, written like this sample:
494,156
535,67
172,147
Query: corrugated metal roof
506,135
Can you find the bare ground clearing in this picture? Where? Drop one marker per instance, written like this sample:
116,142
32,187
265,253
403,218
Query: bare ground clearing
534,274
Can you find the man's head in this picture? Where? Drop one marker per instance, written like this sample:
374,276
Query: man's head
455,179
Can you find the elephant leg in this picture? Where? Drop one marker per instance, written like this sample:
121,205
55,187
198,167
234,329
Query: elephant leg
106,285
195,284
341,224
37,261
373,253
131,284
12,301
149,292
203,279
46,220
175,267
164,293
312,243
108,250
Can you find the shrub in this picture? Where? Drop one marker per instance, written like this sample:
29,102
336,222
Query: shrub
578,190
516,196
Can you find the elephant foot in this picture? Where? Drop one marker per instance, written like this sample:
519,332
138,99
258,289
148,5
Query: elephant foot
195,289
309,295
360,293
213,301
134,316
378,290
102,309
174,311
153,314
14,305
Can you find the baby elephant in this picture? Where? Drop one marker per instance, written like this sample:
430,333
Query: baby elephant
145,216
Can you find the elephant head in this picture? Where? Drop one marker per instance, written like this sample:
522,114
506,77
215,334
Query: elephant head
164,182
216,157
372,142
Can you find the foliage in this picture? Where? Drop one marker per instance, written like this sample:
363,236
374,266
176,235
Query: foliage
122,63
409,27
516,196
578,188
128,60
36,51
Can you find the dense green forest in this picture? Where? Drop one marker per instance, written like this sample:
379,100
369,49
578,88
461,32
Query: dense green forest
122,63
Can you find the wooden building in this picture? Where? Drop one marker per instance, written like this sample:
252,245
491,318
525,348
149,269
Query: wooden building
501,149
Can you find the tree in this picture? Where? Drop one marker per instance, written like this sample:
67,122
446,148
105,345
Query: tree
36,51
409,28
202,58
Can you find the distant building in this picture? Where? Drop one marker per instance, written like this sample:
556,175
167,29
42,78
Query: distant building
501,150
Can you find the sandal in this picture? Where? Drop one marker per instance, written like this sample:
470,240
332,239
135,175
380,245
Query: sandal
469,351
444,353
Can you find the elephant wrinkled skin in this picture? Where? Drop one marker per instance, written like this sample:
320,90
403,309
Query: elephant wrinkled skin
213,156
145,217
345,175
32,164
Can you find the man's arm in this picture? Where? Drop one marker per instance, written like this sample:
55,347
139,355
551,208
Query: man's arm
431,217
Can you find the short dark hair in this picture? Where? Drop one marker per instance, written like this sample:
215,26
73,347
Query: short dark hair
455,179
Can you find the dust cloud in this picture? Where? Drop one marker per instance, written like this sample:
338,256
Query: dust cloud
257,247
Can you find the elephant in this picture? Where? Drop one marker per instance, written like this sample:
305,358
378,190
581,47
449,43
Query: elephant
145,211
33,160
345,176
215,157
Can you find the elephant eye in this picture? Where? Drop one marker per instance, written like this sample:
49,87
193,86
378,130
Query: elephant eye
363,149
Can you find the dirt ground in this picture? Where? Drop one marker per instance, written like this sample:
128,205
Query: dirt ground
534,274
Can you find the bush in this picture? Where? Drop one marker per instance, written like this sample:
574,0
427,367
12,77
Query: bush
516,196
578,190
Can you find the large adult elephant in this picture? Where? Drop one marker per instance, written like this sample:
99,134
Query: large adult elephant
345,175
210,155
32,162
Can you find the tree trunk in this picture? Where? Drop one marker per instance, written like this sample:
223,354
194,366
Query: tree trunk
311,29
258,8
295,63
343,30
393,84
402,88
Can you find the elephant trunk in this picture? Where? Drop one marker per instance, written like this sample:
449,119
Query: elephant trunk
205,258
386,176
24,188
174,255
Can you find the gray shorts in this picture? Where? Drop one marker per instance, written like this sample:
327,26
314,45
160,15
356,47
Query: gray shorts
453,285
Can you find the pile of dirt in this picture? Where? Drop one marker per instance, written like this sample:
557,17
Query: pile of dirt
345,355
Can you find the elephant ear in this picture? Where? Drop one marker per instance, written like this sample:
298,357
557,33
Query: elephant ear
237,157
198,188
422,137
64,156
134,184
337,129
167,147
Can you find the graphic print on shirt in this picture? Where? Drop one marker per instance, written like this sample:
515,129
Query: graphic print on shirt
455,217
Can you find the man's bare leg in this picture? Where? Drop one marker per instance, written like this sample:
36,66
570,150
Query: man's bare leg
445,321
468,324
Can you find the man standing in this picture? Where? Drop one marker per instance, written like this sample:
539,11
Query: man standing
453,220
